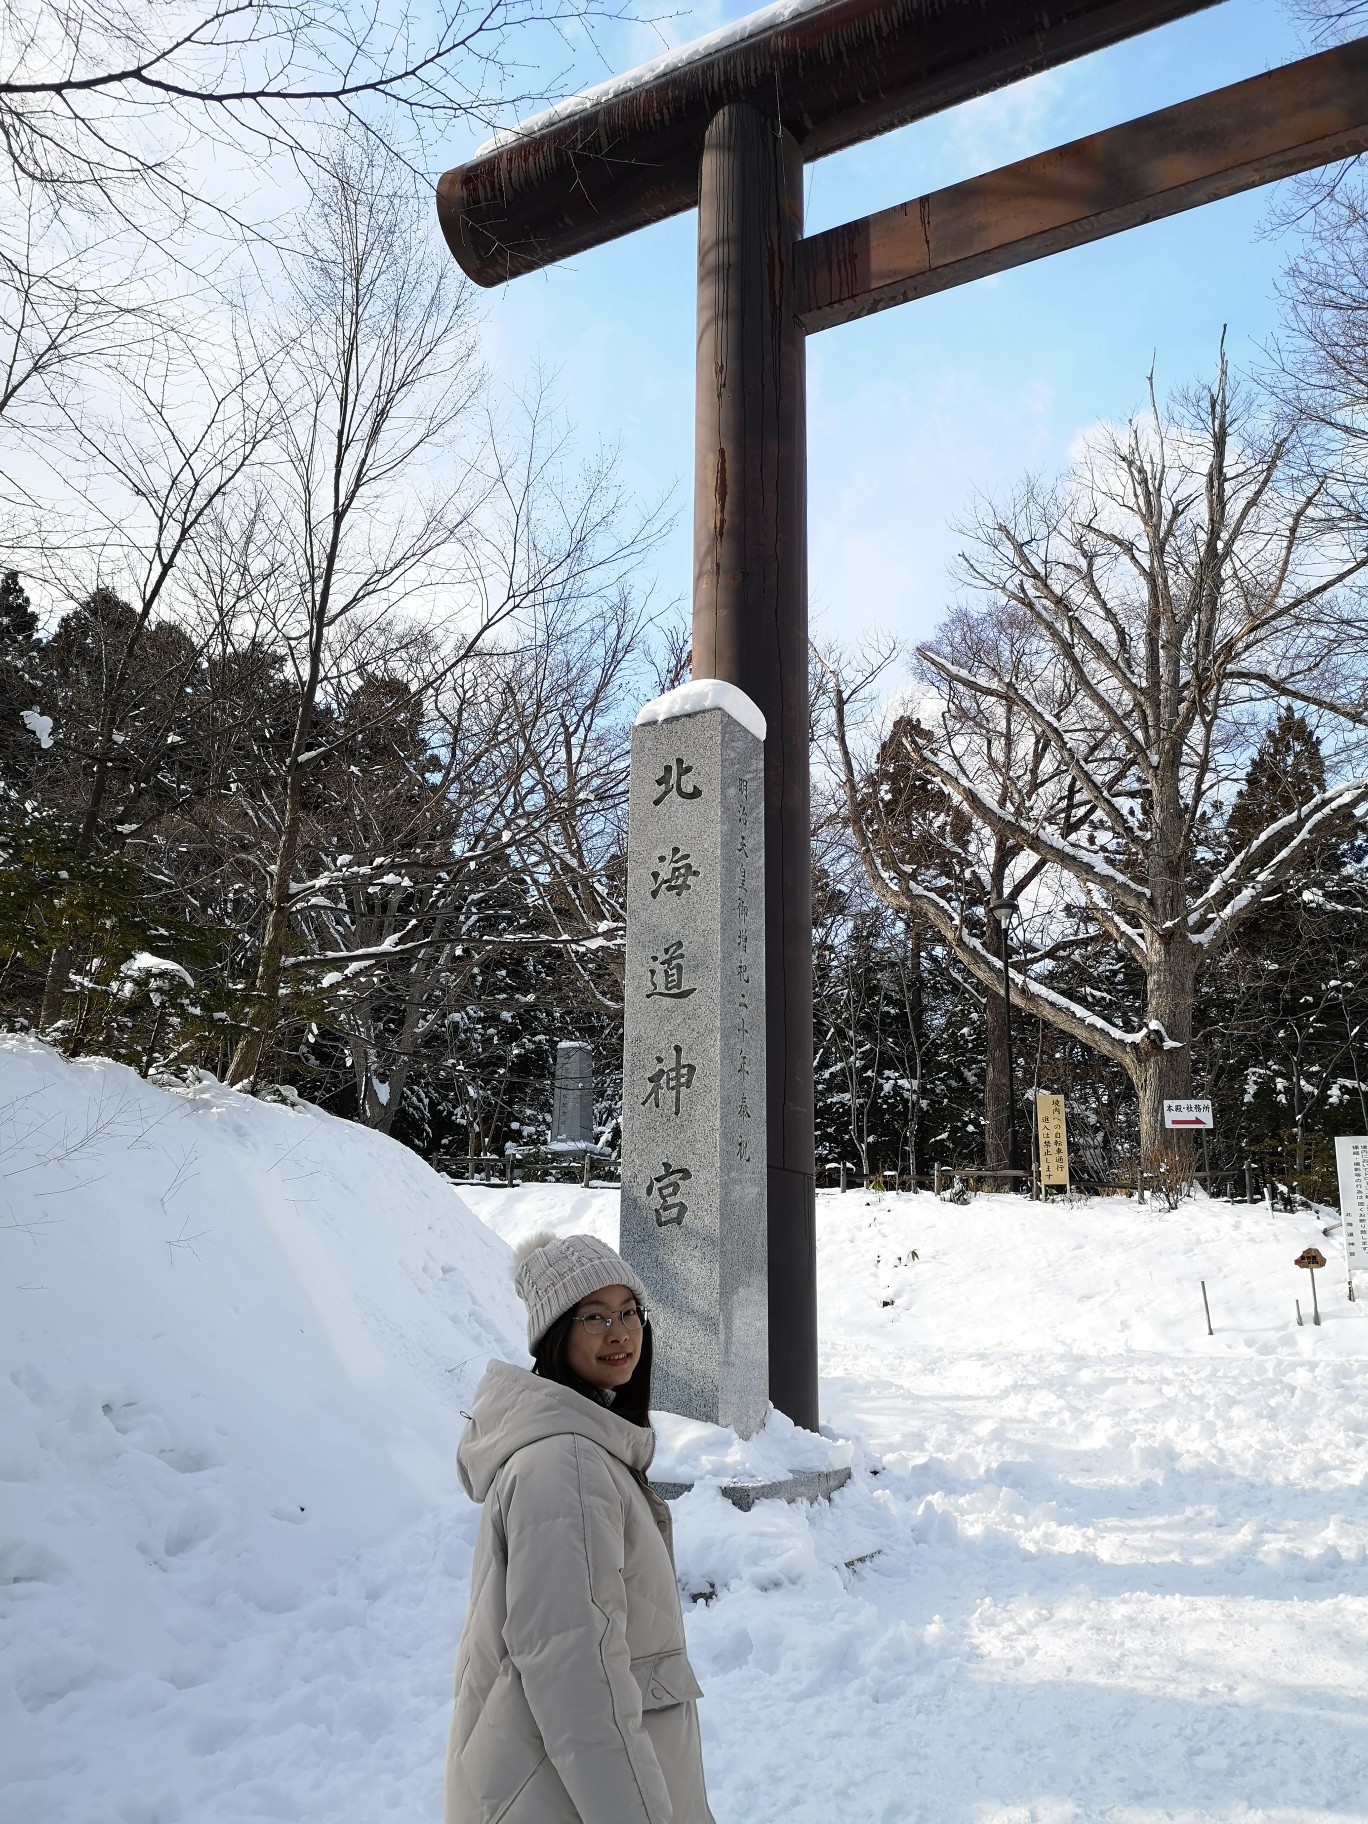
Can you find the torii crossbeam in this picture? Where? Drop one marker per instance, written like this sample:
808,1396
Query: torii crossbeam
726,125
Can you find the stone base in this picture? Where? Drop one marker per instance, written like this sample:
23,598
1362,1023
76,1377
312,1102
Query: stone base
803,1485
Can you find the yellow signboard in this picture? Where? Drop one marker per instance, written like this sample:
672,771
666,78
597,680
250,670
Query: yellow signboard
1053,1140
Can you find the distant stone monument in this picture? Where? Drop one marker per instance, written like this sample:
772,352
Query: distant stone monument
572,1113
693,1090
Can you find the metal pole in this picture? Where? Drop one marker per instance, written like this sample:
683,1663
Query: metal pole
1315,1302
1013,1143
750,628
1207,1308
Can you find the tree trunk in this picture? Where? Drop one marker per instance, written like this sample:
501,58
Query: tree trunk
55,987
1164,1072
251,1048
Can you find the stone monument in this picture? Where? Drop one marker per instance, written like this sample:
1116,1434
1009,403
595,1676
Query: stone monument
693,1089
572,1113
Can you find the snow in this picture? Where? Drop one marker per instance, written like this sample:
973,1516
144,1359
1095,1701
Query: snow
700,695
1092,1564
688,1450
40,727
236,1340
156,971
669,63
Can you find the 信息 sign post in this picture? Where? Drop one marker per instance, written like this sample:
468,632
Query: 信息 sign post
1351,1163
1052,1140
1188,1114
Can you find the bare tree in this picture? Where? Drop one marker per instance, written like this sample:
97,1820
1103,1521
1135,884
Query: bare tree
1172,566
408,502
53,318
373,370
503,847
154,477
110,103
1330,19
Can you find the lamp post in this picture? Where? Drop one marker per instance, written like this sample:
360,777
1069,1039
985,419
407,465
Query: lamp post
1004,911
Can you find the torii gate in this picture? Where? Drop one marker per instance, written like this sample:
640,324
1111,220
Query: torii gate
726,125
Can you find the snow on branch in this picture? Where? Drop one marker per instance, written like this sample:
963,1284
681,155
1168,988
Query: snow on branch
1240,889
1076,861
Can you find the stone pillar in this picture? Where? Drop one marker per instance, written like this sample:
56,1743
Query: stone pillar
693,1080
572,1115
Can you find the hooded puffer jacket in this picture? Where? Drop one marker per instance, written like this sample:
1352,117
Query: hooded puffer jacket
574,1696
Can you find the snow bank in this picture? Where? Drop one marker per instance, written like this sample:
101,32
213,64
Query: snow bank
563,1209
236,1339
688,1450
1093,1566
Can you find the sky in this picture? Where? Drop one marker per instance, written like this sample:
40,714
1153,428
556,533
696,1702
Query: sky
916,412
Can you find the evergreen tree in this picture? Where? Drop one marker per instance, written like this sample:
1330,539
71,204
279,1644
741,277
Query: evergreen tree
1282,1024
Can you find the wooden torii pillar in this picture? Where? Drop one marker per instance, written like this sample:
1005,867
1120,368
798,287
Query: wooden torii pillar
726,125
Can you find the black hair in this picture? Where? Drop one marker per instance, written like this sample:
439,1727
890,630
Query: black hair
632,1401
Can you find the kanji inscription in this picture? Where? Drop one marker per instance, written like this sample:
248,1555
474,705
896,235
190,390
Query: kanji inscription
666,1189
1351,1160
667,974
668,1080
693,1146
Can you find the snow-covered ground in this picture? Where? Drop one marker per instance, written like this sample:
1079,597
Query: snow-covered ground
1093,1564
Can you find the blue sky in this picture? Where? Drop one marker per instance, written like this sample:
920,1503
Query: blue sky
913,412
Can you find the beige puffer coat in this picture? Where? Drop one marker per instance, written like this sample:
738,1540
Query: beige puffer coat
574,1696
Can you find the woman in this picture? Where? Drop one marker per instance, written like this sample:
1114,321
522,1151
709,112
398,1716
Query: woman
574,1696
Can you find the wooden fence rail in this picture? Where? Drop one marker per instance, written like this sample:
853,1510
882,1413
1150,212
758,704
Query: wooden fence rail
528,1166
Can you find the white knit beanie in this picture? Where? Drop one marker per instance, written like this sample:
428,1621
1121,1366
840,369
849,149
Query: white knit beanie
556,1271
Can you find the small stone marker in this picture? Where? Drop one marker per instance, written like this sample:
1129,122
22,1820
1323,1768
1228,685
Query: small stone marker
1052,1140
1311,1258
693,1079
572,1115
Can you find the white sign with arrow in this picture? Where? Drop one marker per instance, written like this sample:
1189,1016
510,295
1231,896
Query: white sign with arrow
1188,1114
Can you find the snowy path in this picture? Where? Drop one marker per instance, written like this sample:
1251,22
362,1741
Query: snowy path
1121,1568
1094,1565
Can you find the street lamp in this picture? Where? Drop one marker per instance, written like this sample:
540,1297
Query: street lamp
1004,911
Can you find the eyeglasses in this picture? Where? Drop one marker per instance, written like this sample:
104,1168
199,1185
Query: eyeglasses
599,1323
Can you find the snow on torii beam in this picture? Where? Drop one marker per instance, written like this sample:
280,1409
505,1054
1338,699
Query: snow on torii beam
833,72
727,124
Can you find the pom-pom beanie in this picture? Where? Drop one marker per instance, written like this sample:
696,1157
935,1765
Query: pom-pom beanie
556,1271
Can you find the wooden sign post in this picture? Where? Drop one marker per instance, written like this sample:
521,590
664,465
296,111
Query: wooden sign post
727,126
1052,1140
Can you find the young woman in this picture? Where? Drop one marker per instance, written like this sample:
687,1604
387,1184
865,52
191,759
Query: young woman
575,1700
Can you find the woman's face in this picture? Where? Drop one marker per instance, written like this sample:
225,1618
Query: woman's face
604,1358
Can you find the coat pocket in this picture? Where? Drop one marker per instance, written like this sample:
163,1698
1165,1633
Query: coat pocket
665,1679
